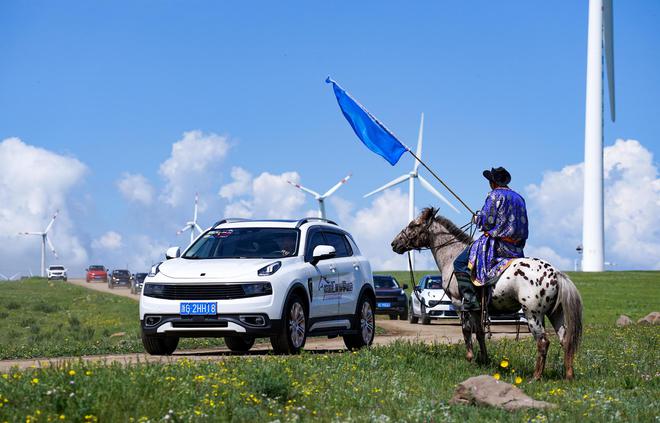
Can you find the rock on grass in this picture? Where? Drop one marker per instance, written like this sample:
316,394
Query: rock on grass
652,318
623,321
486,390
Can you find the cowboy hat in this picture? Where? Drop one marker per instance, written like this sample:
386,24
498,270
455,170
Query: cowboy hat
498,176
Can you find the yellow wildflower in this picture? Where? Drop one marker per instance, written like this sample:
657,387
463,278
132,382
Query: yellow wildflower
88,373
504,364
35,381
496,376
518,380
72,372
62,417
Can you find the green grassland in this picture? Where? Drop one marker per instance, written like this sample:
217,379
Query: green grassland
617,378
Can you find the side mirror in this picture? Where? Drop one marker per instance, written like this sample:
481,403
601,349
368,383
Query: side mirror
417,288
173,252
323,252
405,286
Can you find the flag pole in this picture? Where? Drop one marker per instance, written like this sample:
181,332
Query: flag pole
440,180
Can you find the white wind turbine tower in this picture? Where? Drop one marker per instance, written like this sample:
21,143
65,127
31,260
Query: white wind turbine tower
192,225
599,35
321,198
411,177
44,240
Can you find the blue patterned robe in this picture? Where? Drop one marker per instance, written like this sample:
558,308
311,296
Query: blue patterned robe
503,220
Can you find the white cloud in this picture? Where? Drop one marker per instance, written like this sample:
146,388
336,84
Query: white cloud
192,166
548,254
242,181
268,196
374,227
111,240
632,207
34,183
135,187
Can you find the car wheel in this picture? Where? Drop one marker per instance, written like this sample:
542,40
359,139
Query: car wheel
404,314
426,320
411,315
293,333
393,316
239,343
159,345
367,325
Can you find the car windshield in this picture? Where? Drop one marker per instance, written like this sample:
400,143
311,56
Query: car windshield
95,267
434,283
121,273
140,276
385,282
56,267
245,243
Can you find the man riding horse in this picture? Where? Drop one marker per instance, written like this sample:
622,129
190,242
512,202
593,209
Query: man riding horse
503,221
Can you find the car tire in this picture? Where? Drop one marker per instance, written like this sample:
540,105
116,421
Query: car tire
426,320
239,343
159,345
411,315
293,333
365,320
404,315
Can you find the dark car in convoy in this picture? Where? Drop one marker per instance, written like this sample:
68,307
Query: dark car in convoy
391,298
138,281
120,277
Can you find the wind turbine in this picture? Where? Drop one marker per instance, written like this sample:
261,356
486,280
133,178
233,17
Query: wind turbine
192,225
321,198
411,177
44,240
600,34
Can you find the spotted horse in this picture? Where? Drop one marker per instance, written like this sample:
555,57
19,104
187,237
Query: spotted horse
528,283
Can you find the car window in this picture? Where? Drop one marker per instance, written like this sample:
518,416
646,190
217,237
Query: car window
385,282
434,283
245,243
337,240
56,267
96,267
316,239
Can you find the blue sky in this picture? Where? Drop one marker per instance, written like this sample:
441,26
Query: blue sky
115,84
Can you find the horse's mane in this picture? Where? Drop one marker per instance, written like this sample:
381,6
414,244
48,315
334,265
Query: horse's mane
449,225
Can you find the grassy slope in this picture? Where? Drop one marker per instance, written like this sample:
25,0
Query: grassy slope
42,319
618,378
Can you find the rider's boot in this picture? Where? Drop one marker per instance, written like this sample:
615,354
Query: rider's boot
468,292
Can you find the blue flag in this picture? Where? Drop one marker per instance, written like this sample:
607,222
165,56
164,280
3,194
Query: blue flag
371,132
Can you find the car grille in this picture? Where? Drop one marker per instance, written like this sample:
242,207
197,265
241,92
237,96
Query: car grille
201,292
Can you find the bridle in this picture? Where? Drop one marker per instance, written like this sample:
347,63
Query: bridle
453,240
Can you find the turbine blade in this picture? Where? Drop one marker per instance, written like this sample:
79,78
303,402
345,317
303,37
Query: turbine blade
52,249
4,277
182,230
420,137
307,190
608,41
390,184
336,187
50,225
31,233
14,276
435,192
198,228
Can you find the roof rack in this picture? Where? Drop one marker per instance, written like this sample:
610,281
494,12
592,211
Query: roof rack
315,219
230,220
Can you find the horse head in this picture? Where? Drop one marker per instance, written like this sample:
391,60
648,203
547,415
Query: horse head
416,235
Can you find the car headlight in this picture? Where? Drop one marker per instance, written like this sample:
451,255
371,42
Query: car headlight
255,289
433,303
153,290
270,269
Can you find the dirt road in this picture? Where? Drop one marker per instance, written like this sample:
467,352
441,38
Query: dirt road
436,332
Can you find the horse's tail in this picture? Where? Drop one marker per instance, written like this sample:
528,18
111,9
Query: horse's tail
571,304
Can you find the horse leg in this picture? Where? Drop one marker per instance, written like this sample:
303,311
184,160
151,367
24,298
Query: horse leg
557,320
481,337
467,335
535,324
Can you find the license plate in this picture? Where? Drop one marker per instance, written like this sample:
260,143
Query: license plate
383,305
198,309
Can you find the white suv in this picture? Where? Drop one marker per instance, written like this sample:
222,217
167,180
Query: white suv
244,279
56,271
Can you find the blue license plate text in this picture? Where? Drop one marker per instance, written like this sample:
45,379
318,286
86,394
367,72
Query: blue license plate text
198,309
383,305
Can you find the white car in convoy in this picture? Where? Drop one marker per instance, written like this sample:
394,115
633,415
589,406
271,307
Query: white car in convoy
244,279
56,271
429,301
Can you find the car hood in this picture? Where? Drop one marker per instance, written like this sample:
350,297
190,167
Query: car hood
388,291
434,294
225,269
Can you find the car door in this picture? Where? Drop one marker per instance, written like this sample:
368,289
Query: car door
348,270
416,295
322,279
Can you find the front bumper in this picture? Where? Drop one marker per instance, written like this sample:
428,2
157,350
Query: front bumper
442,311
398,305
60,277
210,326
